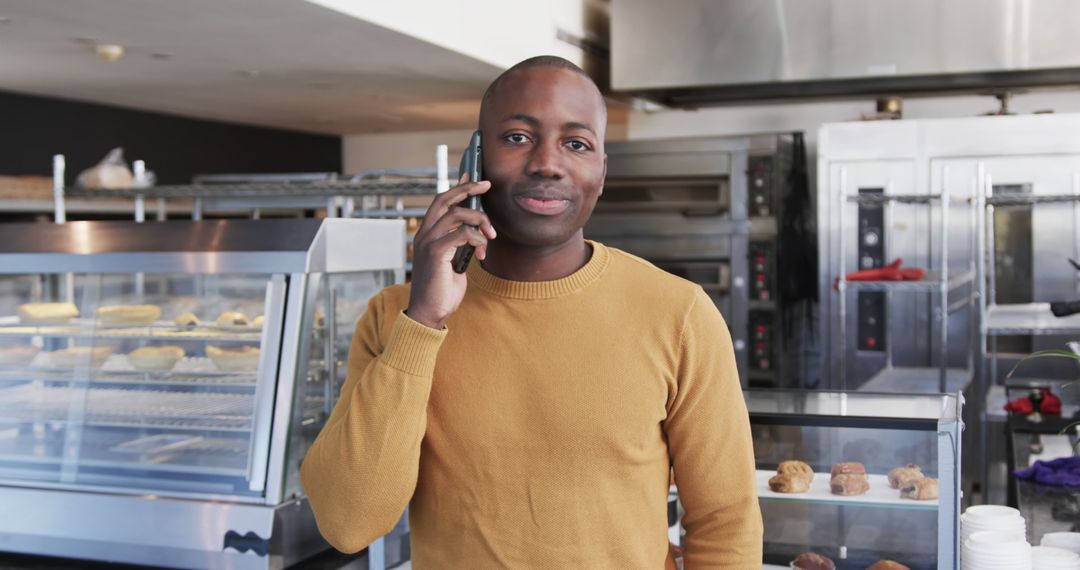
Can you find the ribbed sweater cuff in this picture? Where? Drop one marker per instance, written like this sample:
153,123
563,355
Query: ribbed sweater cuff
413,347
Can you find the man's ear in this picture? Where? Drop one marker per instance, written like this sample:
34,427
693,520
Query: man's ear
603,177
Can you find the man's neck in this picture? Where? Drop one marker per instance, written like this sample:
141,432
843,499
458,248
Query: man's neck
519,263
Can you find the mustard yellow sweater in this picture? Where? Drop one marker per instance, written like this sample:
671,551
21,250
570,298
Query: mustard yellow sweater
537,429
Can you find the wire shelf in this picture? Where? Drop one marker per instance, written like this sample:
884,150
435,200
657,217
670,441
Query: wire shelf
130,408
403,187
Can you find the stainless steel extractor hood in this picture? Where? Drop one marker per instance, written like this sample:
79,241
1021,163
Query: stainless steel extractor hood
699,52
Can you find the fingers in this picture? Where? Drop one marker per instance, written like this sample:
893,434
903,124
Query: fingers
462,236
452,197
455,218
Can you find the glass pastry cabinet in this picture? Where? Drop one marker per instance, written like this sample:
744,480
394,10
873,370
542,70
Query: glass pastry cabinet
858,477
161,382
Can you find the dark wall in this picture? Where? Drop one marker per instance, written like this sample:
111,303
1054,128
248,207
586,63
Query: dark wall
33,129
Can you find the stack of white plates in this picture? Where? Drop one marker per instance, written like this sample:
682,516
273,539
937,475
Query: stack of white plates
1050,558
981,518
1066,540
995,551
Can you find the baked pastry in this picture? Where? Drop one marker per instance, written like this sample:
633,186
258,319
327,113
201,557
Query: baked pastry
901,476
847,484
813,561
887,565
79,356
258,321
155,357
21,355
187,320
789,483
844,468
796,468
46,313
232,319
234,359
129,314
925,489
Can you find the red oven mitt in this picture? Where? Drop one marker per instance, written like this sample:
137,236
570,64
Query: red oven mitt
891,272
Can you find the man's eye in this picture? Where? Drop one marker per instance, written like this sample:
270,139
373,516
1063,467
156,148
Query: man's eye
517,138
578,145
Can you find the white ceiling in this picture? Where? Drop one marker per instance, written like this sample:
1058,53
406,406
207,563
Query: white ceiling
277,63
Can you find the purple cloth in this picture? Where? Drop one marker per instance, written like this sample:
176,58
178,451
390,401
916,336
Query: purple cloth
1061,472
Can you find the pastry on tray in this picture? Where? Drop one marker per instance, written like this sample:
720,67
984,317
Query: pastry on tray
46,313
792,477
847,484
129,314
232,319
187,320
812,561
789,483
887,565
925,489
19,355
844,468
797,468
79,356
155,357
901,476
234,359
258,321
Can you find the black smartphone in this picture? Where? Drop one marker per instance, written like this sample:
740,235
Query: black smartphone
470,162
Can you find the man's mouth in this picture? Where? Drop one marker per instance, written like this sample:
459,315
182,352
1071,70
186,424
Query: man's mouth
541,204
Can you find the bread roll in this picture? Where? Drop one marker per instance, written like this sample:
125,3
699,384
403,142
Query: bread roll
21,355
789,483
813,561
155,357
80,356
232,319
129,314
901,476
796,468
844,468
925,489
887,565
46,313
187,320
234,359
258,321
847,484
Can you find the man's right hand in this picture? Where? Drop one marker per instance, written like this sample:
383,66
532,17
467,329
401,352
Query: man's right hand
436,289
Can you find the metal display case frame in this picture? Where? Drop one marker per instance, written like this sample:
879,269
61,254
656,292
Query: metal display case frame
938,414
269,524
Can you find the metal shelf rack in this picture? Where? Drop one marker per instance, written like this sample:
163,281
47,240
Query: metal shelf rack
368,194
909,379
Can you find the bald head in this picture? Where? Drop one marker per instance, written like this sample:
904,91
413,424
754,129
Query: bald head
541,61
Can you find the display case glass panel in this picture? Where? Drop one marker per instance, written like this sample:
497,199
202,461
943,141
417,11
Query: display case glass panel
860,515
138,381
324,355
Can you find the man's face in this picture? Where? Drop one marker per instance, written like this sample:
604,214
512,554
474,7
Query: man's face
543,144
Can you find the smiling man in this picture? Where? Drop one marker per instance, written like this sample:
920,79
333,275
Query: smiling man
530,409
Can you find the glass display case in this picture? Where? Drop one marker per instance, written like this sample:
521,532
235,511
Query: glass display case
858,516
160,383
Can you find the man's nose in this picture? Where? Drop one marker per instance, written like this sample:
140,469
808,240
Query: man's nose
545,161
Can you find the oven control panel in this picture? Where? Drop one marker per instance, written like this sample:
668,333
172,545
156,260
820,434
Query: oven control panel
762,271
871,250
760,186
761,340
